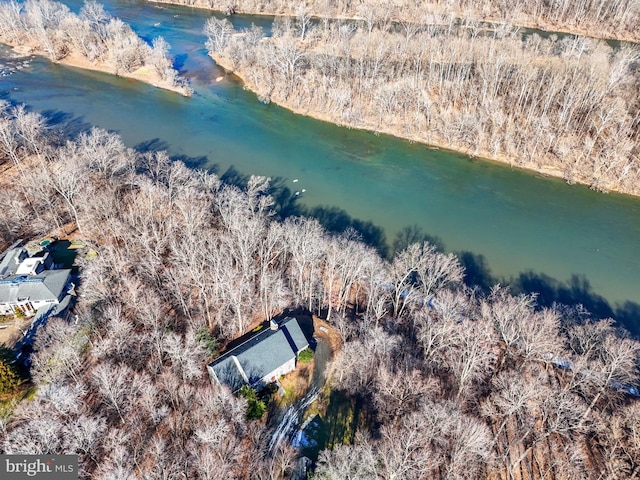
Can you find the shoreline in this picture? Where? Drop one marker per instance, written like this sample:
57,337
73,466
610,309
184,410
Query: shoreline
143,74
544,170
544,27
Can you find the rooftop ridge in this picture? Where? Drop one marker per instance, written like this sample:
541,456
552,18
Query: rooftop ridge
267,331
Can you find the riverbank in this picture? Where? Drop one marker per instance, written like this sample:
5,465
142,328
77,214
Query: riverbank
407,15
371,124
143,74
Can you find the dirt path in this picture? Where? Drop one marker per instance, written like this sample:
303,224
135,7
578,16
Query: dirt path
323,330
11,332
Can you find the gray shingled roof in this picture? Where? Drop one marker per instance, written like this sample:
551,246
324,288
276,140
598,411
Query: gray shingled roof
261,354
9,265
48,285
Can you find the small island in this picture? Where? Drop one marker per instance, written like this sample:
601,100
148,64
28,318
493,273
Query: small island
607,20
560,106
93,40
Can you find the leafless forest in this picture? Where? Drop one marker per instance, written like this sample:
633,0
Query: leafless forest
602,18
459,385
566,107
50,28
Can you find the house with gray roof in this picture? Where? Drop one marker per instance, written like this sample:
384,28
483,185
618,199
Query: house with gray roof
261,359
30,283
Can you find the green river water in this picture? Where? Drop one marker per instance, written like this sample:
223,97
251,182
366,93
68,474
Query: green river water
519,222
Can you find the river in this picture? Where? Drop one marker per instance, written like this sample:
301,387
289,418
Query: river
518,221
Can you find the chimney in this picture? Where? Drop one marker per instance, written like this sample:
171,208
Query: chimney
273,325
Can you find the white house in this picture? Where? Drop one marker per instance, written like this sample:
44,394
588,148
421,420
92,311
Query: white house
29,283
262,358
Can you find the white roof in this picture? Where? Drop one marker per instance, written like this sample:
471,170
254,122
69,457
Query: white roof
29,266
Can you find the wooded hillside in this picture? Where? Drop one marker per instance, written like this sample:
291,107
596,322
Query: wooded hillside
457,384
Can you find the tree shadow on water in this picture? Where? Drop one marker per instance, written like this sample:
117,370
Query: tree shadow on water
285,200
332,218
58,117
201,162
67,124
477,272
179,60
413,234
152,145
159,145
233,177
337,220
577,290
628,315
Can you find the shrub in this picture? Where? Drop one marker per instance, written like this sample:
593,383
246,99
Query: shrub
255,406
209,343
305,356
9,377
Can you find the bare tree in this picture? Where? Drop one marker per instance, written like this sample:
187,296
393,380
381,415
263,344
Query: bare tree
472,358
218,33
186,355
608,365
69,180
399,393
347,462
59,350
117,385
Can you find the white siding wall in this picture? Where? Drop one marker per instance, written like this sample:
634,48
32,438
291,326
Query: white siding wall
6,309
290,366
212,376
38,304
27,307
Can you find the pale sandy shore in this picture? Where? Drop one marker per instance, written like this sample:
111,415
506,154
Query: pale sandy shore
143,74
370,125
